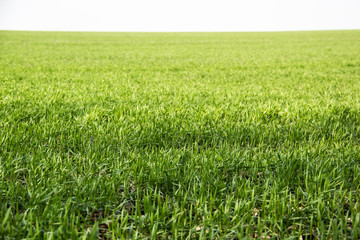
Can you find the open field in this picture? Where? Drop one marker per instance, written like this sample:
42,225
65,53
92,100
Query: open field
180,135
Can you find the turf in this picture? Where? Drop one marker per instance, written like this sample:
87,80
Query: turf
180,135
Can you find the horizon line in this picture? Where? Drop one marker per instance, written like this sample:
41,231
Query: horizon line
229,31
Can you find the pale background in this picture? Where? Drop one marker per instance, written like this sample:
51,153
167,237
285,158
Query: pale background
179,15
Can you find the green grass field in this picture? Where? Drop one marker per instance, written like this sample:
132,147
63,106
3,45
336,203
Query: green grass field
180,135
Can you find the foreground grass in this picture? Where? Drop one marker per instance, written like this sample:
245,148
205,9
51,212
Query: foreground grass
174,136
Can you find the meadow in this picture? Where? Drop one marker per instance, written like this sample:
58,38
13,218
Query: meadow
180,135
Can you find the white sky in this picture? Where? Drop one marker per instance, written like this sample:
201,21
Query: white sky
179,15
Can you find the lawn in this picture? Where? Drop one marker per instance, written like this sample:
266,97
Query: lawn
180,135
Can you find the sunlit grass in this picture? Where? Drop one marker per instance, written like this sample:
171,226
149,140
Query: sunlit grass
180,135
